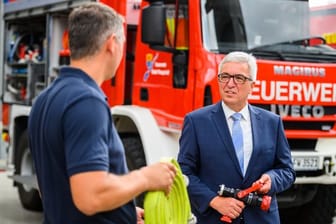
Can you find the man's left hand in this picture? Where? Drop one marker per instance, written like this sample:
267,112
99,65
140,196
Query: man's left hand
140,215
266,182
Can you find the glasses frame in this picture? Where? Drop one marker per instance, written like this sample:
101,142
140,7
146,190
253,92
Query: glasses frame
234,77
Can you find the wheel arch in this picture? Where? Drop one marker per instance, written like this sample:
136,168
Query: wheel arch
18,125
156,142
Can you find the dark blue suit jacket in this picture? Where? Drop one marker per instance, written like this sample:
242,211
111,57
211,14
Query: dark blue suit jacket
208,158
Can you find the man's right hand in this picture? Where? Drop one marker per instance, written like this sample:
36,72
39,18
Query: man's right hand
159,176
227,206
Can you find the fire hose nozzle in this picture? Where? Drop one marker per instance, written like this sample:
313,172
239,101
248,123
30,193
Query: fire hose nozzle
248,196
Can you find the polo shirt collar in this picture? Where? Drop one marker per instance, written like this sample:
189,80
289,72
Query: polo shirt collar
68,71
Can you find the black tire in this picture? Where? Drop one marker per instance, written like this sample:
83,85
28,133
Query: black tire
319,210
135,157
29,197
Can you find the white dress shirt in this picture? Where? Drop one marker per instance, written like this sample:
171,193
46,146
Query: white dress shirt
245,123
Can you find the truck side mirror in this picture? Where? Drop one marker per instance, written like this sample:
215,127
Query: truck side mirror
154,24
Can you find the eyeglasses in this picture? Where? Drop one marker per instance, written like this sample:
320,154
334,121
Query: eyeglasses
237,78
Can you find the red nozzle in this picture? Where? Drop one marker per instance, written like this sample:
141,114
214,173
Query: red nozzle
226,219
245,192
265,203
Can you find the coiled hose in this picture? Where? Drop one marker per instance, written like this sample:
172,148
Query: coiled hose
171,209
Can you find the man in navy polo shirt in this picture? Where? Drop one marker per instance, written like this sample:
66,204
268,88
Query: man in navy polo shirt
78,155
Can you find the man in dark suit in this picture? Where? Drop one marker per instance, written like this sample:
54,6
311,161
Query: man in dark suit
218,148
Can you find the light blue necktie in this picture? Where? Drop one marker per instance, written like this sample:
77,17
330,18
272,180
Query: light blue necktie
237,138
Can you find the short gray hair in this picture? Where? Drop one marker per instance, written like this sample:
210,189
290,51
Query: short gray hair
89,27
239,56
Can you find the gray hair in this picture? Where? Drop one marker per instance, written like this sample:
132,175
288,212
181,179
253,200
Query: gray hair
239,56
90,25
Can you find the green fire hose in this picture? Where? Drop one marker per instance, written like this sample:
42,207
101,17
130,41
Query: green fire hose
171,209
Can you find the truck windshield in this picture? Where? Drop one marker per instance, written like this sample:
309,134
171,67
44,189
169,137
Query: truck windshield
245,24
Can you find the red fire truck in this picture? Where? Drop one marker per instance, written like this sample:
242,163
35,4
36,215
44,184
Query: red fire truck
323,17
172,52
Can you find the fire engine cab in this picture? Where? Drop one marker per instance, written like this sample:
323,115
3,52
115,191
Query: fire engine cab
172,52
323,15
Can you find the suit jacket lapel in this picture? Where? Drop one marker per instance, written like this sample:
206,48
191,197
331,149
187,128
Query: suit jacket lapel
221,124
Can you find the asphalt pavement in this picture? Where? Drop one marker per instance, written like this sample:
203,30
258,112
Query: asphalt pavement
11,211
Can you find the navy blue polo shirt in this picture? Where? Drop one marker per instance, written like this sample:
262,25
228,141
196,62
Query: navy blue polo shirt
70,132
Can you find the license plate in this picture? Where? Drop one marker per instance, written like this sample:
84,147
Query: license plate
306,163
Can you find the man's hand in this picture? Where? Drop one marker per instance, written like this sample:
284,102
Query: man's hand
140,215
227,206
159,176
266,182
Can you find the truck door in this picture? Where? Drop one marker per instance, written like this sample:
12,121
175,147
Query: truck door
162,70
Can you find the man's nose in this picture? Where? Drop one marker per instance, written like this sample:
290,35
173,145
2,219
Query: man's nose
231,82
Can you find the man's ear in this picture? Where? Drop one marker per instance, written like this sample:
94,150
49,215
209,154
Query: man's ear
110,44
252,85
